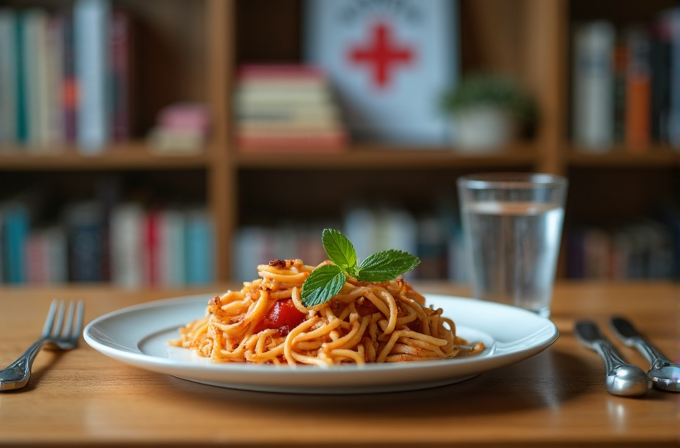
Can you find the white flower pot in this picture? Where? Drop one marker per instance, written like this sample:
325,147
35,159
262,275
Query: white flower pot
483,129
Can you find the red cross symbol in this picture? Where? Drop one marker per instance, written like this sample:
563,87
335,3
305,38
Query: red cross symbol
381,54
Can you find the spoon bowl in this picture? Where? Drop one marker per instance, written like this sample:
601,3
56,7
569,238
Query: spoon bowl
664,373
666,377
628,380
621,378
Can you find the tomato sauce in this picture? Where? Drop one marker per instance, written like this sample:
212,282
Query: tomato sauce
283,316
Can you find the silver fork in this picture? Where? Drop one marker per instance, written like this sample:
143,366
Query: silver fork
60,335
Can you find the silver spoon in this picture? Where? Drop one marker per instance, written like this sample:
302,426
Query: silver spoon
664,373
622,378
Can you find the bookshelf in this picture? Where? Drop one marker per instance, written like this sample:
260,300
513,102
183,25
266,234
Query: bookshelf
188,51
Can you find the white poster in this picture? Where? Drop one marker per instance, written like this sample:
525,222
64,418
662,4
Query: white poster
389,62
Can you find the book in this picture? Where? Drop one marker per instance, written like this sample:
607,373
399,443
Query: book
172,260
180,128
638,90
84,227
286,143
56,261
389,65
151,248
8,58
121,50
91,20
54,74
200,256
36,74
660,59
126,244
593,86
16,224
620,67
674,114
21,101
69,90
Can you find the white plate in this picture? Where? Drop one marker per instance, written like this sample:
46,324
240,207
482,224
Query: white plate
139,335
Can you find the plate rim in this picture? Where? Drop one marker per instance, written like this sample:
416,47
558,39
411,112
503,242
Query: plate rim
197,371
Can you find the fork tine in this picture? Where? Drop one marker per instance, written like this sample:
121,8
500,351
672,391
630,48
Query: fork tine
66,329
56,330
49,320
79,321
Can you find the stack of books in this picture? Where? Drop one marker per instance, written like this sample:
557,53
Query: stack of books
180,128
286,108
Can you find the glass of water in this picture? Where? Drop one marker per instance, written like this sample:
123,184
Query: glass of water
512,226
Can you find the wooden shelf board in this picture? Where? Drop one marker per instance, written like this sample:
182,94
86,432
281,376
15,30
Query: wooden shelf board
377,158
658,156
125,156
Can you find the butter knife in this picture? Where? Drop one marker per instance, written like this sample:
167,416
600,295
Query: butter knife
664,373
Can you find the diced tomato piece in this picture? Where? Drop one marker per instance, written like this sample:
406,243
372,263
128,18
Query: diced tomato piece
283,316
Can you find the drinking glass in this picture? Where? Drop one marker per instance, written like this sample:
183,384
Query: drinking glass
512,226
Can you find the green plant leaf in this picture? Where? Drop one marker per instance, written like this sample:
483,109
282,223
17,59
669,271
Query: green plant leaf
323,283
340,250
386,265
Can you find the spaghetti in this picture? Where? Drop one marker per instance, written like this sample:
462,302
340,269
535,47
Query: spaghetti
266,322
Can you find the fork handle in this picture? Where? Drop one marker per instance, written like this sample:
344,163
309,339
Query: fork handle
17,374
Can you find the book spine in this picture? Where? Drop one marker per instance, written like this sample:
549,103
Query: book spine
91,20
7,76
55,72
126,245
592,111
674,116
151,244
84,226
619,96
69,90
39,77
121,79
638,91
199,248
16,229
660,56
21,87
57,258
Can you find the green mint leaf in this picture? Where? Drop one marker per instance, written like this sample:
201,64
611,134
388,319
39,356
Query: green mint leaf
323,283
340,250
386,265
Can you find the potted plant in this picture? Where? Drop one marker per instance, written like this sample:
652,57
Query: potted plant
487,111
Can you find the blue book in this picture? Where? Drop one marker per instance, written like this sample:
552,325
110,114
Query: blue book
16,226
91,20
21,101
200,265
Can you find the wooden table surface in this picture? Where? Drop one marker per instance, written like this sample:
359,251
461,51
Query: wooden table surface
556,398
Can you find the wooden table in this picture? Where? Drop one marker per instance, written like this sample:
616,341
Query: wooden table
557,398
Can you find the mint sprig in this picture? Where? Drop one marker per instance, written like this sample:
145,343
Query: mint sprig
326,281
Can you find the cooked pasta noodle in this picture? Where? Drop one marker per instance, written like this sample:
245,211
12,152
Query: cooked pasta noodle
266,322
